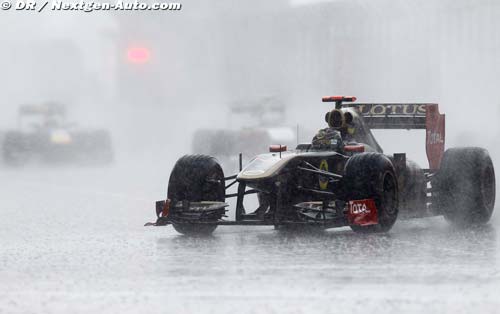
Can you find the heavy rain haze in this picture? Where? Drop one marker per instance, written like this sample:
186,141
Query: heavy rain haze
139,84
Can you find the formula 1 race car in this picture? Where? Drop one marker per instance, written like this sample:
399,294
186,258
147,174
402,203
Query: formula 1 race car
340,179
45,135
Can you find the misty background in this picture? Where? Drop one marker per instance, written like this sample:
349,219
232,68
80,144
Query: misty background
210,54
72,238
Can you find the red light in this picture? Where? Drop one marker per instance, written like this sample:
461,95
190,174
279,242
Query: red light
138,55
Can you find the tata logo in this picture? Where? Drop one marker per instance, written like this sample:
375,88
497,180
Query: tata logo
435,138
359,208
392,109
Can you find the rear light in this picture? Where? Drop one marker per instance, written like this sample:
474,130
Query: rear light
138,55
277,148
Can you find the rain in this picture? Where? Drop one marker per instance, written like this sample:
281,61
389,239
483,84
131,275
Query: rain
111,99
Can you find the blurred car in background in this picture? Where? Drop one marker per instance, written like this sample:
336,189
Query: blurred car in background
256,124
45,135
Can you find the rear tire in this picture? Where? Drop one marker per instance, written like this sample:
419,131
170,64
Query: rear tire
372,176
197,178
464,187
15,149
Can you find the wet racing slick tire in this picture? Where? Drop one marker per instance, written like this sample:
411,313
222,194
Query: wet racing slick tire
464,188
197,178
15,149
372,176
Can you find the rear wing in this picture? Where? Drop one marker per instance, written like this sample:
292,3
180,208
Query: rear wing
409,117
44,109
393,116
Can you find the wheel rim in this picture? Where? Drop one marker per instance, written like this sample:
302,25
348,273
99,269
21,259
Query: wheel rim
389,198
488,188
212,186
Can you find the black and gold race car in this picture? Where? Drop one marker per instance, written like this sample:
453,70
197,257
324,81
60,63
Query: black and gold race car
44,135
342,178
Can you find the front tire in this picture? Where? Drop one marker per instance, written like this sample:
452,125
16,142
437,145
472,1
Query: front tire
197,178
372,176
464,187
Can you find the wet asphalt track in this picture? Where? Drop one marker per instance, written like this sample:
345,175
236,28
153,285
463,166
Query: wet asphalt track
73,241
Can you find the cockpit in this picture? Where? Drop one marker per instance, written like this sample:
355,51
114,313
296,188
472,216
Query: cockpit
345,132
